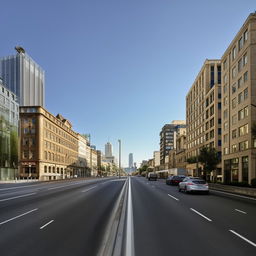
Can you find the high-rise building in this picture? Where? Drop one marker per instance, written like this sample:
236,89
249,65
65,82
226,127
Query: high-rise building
24,77
168,140
108,150
131,160
9,118
239,105
203,112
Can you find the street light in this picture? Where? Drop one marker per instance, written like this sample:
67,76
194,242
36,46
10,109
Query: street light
119,142
29,175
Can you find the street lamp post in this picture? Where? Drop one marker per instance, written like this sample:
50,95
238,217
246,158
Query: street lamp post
29,175
119,142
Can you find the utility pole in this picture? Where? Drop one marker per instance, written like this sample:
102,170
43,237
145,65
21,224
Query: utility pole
119,169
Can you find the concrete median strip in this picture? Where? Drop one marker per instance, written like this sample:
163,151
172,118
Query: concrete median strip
242,237
18,216
113,239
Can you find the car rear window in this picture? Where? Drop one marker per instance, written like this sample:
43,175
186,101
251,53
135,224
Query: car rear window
180,178
199,181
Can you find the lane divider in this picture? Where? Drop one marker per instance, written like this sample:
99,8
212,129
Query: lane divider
11,198
242,237
45,225
173,197
16,217
86,190
200,214
240,211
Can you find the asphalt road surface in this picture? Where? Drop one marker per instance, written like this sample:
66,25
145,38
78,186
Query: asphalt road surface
168,222
57,218
71,218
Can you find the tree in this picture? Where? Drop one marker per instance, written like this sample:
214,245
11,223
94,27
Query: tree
209,158
143,169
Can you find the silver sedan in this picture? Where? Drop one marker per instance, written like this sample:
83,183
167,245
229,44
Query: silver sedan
194,184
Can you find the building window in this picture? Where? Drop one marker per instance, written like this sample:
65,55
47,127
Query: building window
45,169
225,151
234,53
234,88
234,119
240,43
233,103
212,76
234,148
240,65
245,168
245,59
225,126
240,83
234,169
233,72
243,145
225,114
240,97
245,93
225,64
219,74
245,76
234,134
245,36
243,130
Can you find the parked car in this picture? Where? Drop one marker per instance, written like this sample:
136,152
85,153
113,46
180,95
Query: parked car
152,176
175,180
194,184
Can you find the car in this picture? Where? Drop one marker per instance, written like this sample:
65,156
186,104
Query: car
175,180
152,176
194,184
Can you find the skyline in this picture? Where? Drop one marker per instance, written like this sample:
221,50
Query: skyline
120,55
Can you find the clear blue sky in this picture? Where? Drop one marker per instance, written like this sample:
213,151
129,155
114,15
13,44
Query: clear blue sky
121,68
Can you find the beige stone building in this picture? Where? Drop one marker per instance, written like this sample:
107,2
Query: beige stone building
239,105
203,113
181,158
48,145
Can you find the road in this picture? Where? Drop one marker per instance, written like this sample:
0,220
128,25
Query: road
57,218
73,218
168,222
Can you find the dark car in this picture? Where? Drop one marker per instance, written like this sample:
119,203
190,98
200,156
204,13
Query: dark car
175,180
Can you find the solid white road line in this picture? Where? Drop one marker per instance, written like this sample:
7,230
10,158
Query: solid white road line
246,197
200,214
88,189
15,197
48,223
129,249
242,237
173,197
16,217
240,211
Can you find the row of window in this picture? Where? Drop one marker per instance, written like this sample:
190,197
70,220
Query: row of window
58,158
244,145
53,128
240,82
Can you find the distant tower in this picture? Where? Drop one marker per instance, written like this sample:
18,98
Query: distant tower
108,150
130,160
24,77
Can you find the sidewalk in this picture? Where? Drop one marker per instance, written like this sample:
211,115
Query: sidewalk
234,189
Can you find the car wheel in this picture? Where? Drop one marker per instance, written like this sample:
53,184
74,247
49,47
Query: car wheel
179,189
186,191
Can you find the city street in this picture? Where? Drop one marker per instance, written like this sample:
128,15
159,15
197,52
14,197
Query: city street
57,218
72,218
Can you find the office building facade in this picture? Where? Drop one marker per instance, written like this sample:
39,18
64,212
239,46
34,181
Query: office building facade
203,113
9,118
239,105
131,160
24,77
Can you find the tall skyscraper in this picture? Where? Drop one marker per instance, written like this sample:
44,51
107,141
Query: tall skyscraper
131,160
108,150
24,77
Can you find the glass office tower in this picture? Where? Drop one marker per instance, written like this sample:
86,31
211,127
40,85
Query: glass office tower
24,77
9,116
